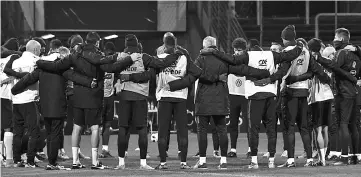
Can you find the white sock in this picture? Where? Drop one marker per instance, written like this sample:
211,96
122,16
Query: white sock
358,156
290,160
95,156
215,151
249,149
223,160
105,147
254,159
323,154
338,153
8,141
143,162
202,160
121,161
332,153
183,163
163,163
271,159
75,151
309,160
233,150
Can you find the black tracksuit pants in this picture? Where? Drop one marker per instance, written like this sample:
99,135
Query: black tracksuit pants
179,111
221,127
264,110
238,104
25,116
54,129
297,108
347,109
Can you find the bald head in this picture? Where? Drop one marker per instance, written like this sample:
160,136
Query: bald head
167,34
34,47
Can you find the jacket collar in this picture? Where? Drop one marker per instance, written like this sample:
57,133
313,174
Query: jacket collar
131,50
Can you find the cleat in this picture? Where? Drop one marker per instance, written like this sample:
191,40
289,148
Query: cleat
119,167
222,166
41,156
63,156
315,154
99,166
200,166
266,154
56,167
146,167
253,166
310,164
353,160
287,165
304,155
19,165
185,166
271,165
340,163
196,155
333,158
82,156
78,166
232,154
161,167
320,164
105,154
31,165
216,154
284,153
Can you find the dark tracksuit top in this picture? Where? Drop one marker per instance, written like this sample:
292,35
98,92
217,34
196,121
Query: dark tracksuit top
344,66
84,97
283,57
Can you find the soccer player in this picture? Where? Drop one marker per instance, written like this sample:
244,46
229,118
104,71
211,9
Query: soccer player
108,104
345,96
238,102
8,51
296,94
53,100
262,95
87,101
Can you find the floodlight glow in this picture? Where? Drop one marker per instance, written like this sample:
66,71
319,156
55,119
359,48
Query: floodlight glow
47,36
111,37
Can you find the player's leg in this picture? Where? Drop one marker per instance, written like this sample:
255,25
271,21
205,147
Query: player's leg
78,125
284,125
165,110
235,109
244,110
317,110
333,131
346,106
203,123
215,139
6,127
54,128
140,112
30,113
302,123
291,107
93,119
354,134
180,112
270,122
108,114
124,108
220,122
256,110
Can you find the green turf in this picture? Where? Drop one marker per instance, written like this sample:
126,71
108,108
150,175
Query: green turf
236,166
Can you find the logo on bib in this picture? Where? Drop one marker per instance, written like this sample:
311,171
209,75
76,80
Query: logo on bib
238,82
262,62
300,61
131,69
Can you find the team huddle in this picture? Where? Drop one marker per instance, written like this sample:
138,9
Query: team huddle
297,84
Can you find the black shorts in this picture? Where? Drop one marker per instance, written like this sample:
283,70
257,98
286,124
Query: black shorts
322,113
87,116
133,113
6,114
108,109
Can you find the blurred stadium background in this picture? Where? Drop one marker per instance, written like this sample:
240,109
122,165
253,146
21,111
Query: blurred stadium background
189,21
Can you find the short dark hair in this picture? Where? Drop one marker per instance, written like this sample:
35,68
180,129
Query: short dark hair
40,40
55,44
239,43
345,33
92,38
109,46
170,41
253,42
